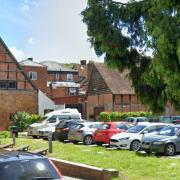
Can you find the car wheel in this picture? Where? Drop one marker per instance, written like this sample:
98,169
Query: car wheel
99,143
35,137
170,149
147,152
88,140
75,142
135,145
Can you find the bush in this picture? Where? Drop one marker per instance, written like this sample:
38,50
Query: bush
119,116
23,119
5,134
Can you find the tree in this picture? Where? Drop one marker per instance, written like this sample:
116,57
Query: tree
125,32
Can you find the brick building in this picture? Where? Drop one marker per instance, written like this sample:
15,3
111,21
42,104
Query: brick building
17,93
36,72
61,81
109,90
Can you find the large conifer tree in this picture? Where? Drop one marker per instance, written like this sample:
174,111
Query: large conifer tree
124,33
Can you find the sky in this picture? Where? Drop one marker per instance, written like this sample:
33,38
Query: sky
46,30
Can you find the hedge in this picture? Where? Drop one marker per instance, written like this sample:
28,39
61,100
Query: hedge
120,116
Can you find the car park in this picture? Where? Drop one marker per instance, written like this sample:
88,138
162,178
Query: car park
83,132
53,118
62,129
108,129
131,139
167,141
16,165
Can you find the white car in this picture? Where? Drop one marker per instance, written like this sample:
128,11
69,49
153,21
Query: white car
53,118
131,139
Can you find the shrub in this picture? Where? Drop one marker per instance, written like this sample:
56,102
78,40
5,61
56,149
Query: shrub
5,134
119,116
23,119
105,116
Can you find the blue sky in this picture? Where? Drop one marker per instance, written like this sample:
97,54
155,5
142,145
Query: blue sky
46,30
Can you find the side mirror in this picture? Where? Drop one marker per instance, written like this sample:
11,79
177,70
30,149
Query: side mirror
144,132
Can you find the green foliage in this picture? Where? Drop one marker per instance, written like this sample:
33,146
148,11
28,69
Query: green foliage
119,116
5,134
105,116
23,119
117,30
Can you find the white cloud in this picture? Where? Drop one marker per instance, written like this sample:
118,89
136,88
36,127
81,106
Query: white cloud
31,40
25,7
18,53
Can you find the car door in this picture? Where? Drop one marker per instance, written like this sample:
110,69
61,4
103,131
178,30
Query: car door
74,131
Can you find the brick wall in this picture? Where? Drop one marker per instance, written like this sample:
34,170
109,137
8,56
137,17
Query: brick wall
62,76
41,82
14,101
123,103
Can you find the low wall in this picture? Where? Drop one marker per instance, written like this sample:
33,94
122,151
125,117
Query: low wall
83,171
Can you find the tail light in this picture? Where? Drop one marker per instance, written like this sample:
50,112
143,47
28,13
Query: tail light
56,169
80,131
66,129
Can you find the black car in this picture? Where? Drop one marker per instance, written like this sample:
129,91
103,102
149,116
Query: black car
167,141
15,165
62,129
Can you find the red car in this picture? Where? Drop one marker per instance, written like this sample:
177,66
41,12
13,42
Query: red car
108,129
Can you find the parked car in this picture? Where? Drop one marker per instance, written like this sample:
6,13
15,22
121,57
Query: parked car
62,129
135,120
53,118
27,166
131,139
170,119
83,132
167,141
108,129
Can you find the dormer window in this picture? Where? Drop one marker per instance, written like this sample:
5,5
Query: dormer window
33,75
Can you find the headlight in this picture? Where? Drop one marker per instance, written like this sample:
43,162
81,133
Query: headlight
124,138
158,142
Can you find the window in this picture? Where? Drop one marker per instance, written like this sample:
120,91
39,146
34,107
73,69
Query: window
72,91
33,75
57,75
69,77
8,84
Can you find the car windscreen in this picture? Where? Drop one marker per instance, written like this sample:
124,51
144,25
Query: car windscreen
27,170
136,129
169,131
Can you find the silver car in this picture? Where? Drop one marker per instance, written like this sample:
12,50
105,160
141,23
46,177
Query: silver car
82,132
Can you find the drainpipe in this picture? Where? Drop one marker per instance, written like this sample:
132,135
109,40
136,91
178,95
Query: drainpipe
113,102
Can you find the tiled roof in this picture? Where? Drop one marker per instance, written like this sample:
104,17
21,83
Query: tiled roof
28,62
55,66
117,82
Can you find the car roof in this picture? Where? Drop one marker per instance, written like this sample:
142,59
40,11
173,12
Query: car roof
6,156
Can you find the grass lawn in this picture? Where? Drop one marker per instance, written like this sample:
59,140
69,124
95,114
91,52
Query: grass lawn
133,166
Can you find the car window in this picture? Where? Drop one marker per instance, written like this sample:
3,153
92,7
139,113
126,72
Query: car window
121,126
105,126
141,119
96,126
159,127
151,129
52,119
169,131
136,129
165,119
76,126
27,170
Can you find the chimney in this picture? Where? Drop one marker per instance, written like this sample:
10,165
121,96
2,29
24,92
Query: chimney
83,62
30,58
